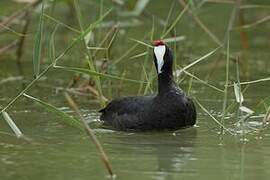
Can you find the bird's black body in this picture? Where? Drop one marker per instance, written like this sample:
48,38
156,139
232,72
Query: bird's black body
169,109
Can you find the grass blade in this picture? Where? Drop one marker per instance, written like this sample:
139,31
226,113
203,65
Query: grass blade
140,6
207,112
253,82
94,73
175,22
37,47
246,110
174,39
90,28
267,115
139,55
63,117
238,94
200,59
138,9
90,57
12,125
141,42
61,23
254,24
254,6
71,45
227,70
200,23
203,82
168,17
52,45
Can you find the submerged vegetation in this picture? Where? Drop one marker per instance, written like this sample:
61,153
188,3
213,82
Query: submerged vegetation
104,48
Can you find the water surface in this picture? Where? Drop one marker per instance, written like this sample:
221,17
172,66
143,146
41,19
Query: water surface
57,151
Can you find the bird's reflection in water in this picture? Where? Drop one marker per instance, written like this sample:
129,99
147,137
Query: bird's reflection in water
174,154
171,151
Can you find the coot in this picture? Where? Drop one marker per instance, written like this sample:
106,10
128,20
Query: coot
169,109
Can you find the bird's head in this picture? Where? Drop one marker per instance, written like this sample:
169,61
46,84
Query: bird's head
163,57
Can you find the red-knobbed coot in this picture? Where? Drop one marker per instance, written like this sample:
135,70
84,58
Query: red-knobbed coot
169,109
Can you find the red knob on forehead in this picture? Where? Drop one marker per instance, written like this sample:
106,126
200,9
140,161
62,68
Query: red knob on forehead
158,43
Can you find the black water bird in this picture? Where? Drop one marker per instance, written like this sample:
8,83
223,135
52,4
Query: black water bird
169,109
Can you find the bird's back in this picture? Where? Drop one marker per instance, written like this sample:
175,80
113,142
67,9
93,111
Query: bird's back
126,113
170,111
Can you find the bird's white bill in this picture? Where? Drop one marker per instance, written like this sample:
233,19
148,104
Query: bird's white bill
159,53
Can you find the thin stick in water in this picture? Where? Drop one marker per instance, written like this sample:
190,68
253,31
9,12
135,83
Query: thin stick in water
207,112
91,134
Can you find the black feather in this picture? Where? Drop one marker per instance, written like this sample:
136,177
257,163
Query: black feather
170,109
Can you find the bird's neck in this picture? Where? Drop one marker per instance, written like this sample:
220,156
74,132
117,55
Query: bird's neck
165,82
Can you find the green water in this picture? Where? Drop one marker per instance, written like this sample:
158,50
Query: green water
57,151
